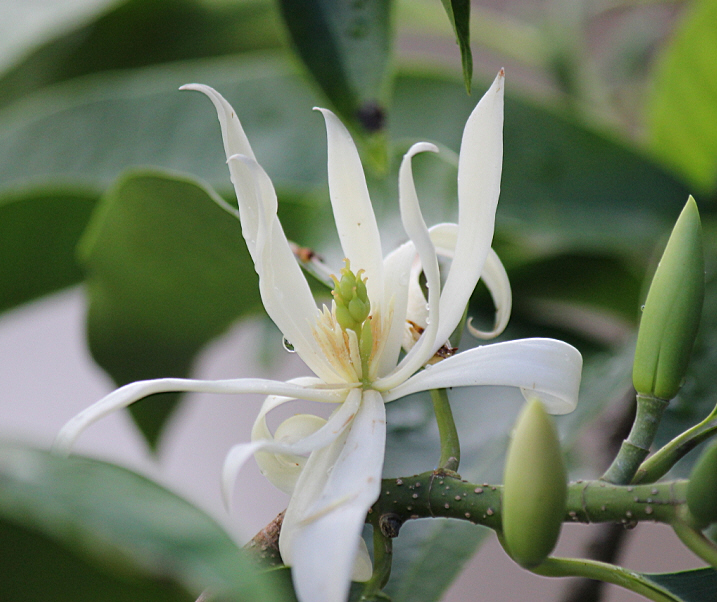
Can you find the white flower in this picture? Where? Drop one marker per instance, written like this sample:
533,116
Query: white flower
356,359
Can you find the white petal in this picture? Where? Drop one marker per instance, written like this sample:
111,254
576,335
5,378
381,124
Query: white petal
282,470
416,229
325,436
353,212
235,140
544,368
397,273
494,276
325,517
127,395
496,280
284,290
479,171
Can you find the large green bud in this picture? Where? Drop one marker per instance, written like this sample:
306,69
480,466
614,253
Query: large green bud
535,488
672,311
702,488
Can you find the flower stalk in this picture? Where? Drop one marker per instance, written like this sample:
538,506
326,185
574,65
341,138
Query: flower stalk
450,445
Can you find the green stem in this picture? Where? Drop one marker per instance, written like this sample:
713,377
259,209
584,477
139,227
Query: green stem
382,559
436,494
636,447
602,571
695,541
450,446
665,458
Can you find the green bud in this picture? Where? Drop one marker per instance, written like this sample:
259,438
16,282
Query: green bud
702,488
535,488
672,311
351,296
344,317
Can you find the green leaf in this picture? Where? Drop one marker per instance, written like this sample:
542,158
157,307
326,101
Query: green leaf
39,229
167,270
23,25
110,527
459,14
138,33
682,128
149,122
563,184
428,556
698,585
345,44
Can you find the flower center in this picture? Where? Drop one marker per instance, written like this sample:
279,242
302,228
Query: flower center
352,311
350,332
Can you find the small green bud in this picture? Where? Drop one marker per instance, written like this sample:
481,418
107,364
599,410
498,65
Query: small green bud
702,488
672,311
535,488
351,296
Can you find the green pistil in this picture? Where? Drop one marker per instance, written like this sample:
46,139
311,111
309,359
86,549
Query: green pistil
352,310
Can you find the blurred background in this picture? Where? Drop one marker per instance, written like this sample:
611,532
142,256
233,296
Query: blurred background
117,264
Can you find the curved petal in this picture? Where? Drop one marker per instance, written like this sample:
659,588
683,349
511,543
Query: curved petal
233,136
282,470
322,438
127,395
544,368
494,276
479,171
397,273
496,280
326,514
416,229
284,290
353,212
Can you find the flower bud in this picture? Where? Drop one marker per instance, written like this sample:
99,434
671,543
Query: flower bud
535,488
702,488
672,311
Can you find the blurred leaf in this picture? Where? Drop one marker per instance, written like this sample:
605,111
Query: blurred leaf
459,14
39,229
24,25
345,45
138,33
697,585
682,109
113,527
167,271
563,186
90,130
428,556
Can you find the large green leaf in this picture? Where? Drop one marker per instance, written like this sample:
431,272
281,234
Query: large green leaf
562,184
428,556
345,45
167,270
137,33
24,25
697,585
92,129
459,14
39,229
681,110
81,529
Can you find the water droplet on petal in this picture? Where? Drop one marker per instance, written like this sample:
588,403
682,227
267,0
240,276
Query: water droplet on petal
287,345
428,321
